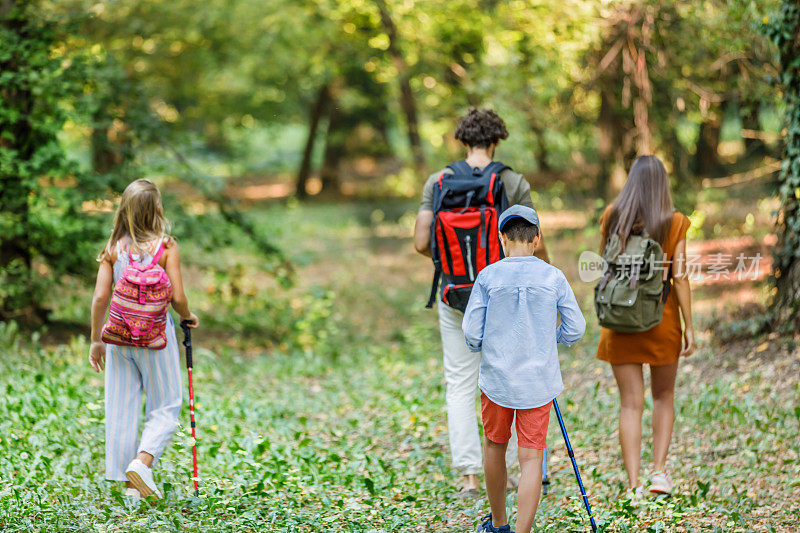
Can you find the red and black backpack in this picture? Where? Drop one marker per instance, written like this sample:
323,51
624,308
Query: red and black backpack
464,236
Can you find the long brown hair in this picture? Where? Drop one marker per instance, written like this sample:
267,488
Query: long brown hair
139,218
643,203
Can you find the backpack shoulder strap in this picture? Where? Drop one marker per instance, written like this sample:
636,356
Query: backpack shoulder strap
499,199
460,167
158,254
156,257
496,167
439,193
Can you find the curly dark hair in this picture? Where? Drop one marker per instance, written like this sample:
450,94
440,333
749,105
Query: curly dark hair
481,128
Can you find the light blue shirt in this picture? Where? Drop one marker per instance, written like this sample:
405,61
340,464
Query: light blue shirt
512,317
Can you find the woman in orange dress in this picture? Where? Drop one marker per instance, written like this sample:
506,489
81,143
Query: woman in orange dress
645,203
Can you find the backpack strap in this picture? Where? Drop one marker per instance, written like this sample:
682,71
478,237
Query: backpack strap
437,273
461,167
155,260
438,196
437,268
667,285
131,260
498,187
495,167
158,254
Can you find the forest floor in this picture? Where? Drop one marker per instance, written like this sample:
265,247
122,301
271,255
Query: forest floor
344,428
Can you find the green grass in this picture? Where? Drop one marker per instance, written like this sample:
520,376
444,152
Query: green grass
345,428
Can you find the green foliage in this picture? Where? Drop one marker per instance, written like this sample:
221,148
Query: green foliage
546,67
44,232
291,441
343,428
55,79
266,315
783,29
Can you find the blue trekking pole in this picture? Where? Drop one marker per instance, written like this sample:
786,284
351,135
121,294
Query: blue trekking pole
545,481
574,465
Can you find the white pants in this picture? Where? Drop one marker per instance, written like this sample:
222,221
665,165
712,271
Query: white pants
461,375
129,372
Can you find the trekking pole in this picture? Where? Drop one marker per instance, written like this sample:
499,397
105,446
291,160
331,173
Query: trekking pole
187,342
574,465
545,481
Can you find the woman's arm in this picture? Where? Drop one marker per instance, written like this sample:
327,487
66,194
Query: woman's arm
102,293
684,294
179,301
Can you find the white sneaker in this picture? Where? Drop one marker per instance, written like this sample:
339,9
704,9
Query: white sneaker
132,497
635,495
141,476
661,483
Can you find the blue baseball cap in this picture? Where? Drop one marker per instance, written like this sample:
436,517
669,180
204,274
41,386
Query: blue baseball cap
518,211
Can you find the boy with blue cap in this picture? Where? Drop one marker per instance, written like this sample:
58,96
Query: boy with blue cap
512,317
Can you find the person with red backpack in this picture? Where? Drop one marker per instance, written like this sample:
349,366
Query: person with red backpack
457,227
140,273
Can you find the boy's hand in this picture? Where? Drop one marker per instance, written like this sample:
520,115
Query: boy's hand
97,356
688,343
191,319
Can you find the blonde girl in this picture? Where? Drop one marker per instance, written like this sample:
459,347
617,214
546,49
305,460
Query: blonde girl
141,229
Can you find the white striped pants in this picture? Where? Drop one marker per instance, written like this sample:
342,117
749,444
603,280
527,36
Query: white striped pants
129,372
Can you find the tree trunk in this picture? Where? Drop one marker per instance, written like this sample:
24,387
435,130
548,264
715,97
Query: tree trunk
317,112
786,264
706,157
540,150
688,184
334,150
109,142
755,148
610,147
407,101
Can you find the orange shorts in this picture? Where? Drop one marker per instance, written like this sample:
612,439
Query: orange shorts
531,423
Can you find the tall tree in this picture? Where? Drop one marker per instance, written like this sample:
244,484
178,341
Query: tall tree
43,231
315,117
784,30
407,100
661,65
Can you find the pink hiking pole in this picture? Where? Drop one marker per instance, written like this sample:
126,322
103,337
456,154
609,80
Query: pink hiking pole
187,342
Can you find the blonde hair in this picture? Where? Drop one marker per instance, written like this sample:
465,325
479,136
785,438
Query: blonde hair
139,218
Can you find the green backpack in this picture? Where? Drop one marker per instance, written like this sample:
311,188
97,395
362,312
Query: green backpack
630,296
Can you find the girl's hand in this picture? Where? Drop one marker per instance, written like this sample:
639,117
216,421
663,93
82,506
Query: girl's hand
688,343
97,356
191,319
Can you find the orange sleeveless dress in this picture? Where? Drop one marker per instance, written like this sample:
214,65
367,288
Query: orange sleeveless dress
662,344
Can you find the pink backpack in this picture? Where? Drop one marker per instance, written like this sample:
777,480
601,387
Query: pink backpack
138,315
